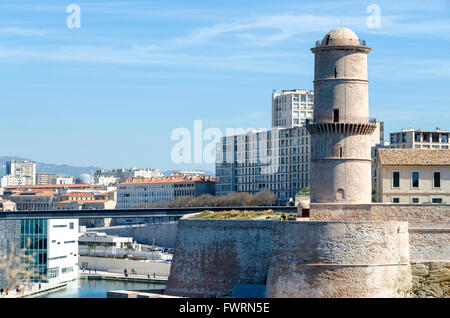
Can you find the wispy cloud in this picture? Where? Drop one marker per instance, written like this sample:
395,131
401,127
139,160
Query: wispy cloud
23,31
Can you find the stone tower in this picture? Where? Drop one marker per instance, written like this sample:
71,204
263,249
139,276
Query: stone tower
340,134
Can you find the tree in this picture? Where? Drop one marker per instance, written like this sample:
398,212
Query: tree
91,246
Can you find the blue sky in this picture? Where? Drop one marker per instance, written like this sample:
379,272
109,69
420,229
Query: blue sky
111,92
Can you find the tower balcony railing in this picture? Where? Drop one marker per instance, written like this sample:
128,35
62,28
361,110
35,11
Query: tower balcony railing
352,120
361,42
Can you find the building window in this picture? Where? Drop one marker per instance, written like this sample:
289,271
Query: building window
53,272
396,200
417,136
336,115
415,200
437,200
396,179
444,138
415,179
437,179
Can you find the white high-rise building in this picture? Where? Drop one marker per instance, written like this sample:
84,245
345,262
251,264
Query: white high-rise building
292,108
20,173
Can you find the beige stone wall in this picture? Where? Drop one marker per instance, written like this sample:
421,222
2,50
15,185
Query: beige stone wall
430,279
293,259
380,212
210,256
339,259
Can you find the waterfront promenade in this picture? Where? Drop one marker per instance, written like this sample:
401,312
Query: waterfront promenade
46,288
35,291
121,277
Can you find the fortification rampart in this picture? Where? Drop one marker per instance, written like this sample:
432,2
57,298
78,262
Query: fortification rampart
293,259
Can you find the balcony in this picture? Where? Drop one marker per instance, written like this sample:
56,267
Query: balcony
361,42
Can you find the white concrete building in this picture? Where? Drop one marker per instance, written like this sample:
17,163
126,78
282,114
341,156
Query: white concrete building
420,139
62,263
137,192
54,246
64,180
412,176
12,180
101,239
292,108
112,176
22,168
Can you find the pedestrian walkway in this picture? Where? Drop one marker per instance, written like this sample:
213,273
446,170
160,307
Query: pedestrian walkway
34,291
120,276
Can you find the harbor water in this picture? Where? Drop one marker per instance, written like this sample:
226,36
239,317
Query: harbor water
98,288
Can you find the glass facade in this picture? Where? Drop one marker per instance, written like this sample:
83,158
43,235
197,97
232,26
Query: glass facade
33,238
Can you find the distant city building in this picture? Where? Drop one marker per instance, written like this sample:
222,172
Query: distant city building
292,108
7,205
190,174
413,176
100,239
420,139
137,192
22,169
64,180
12,180
113,176
44,178
34,201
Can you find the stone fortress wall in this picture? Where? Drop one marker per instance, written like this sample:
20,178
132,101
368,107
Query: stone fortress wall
377,250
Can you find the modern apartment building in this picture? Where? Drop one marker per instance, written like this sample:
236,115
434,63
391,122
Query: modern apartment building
44,178
11,180
22,169
277,160
292,108
136,192
420,139
413,176
113,176
64,180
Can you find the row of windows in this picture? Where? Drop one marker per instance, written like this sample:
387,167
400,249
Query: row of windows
415,179
420,137
57,257
416,200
